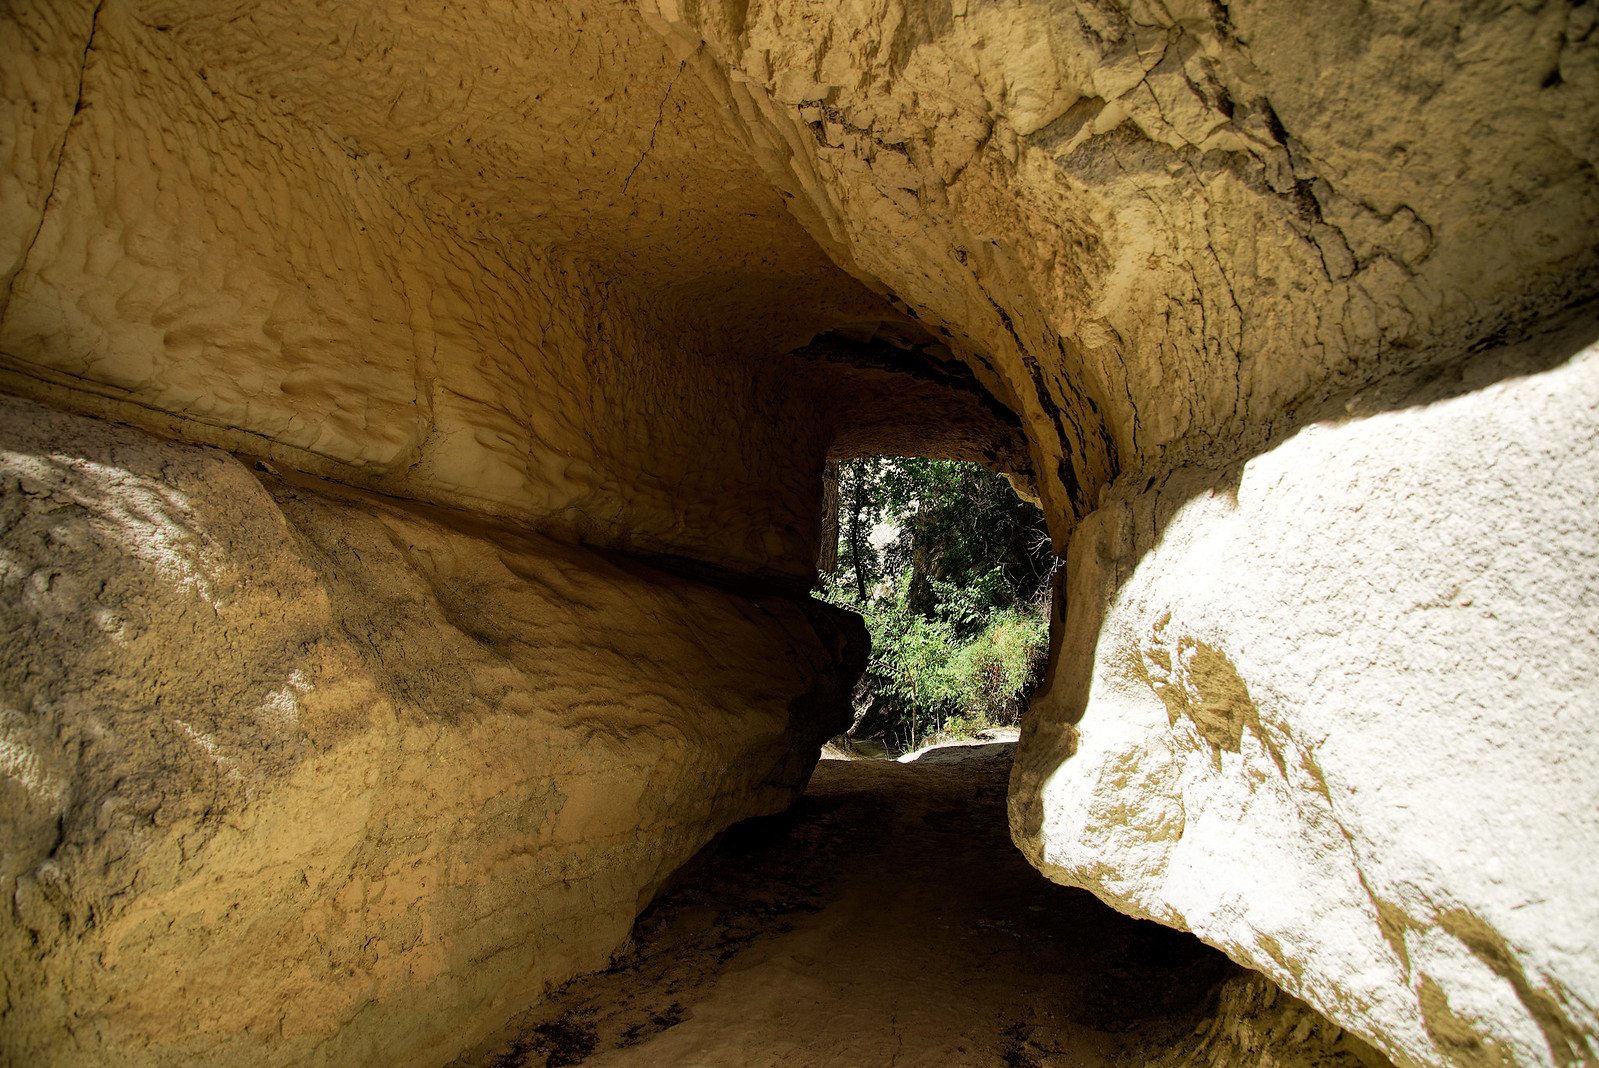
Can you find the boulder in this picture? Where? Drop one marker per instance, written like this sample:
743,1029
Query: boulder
296,774
1331,710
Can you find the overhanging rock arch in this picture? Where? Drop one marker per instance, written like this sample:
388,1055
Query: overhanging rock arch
529,332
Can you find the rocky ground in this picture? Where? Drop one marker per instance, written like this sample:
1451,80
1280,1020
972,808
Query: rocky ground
887,919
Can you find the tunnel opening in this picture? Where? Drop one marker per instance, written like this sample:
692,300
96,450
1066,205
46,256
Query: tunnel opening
886,916
950,569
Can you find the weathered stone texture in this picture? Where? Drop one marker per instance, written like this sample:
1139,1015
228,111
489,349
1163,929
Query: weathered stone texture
239,252
1253,1022
625,276
1331,709
1166,225
1173,233
296,775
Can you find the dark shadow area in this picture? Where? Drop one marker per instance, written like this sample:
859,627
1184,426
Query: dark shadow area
886,918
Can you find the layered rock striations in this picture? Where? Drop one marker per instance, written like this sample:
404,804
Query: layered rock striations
548,317
1291,305
343,751
299,775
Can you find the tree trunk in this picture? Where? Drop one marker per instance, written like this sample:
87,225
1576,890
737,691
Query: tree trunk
827,559
857,541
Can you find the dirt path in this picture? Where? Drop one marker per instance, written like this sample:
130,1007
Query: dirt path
885,920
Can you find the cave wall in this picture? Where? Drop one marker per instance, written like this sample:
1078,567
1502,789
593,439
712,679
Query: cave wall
343,746
217,252
295,774
513,318
1293,306
1329,709
1162,228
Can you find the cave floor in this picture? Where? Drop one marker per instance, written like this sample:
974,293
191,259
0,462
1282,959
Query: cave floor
886,919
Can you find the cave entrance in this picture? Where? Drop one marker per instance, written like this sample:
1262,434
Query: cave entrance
887,917
950,569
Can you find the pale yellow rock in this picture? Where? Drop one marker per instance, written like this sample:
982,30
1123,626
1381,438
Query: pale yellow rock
1164,226
1331,710
1175,232
625,277
552,290
301,776
40,88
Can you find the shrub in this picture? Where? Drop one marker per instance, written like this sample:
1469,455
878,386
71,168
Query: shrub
995,673
953,603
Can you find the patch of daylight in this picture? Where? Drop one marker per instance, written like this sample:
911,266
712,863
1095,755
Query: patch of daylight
140,511
283,704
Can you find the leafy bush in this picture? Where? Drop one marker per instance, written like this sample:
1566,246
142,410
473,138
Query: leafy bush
923,679
995,672
954,603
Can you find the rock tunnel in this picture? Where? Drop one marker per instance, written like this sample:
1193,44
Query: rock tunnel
413,459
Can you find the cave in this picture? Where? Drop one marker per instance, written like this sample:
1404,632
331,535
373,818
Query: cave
414,425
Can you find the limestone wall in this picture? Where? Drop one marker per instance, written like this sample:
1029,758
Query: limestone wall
296,773
229,247
1272,289
1167,226
1331,709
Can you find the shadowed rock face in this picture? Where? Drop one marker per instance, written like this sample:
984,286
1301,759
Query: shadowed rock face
1277,312
297,774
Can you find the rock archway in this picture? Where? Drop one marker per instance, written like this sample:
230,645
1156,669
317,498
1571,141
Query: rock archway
408,572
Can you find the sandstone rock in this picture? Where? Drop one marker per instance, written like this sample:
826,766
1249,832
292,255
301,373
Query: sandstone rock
549,288
1159,228
1331,710
296,775
1174,233
626,278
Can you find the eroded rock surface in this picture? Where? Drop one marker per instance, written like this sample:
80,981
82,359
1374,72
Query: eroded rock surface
1160,227
624,277
505,259
1354,760
297,775
1175,233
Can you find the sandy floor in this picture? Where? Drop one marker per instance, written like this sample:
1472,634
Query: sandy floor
885,920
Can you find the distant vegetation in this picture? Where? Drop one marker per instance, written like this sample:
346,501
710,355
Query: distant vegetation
956,600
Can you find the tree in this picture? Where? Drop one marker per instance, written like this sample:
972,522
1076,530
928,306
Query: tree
954,602
973,546
862,504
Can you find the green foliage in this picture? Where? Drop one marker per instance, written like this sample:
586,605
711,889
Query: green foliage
861,505
954,601
995,670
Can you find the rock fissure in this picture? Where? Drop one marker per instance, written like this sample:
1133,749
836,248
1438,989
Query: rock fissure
60,154
660,117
